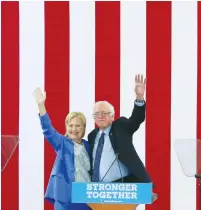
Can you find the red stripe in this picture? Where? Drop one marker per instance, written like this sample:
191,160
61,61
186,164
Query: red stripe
159,99
10,98
56,73
107,58
199,99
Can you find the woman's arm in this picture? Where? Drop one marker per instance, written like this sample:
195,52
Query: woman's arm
42,109
52,136
50,133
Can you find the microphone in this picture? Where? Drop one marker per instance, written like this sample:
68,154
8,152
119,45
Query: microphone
122,178
116,158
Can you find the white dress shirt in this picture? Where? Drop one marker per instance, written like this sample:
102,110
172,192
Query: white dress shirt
108,156
82,163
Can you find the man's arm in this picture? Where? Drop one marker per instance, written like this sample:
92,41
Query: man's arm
137,116
138,113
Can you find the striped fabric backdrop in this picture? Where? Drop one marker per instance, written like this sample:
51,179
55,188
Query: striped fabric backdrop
81,52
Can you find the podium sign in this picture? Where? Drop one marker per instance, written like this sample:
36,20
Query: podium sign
8,146
115,193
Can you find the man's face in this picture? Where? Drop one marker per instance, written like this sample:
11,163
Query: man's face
102,116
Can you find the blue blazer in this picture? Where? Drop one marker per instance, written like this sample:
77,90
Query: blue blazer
62,174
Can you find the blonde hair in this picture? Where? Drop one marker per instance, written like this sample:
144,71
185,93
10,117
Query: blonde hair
72,115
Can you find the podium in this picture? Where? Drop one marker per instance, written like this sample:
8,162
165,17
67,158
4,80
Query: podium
113,195
8,146
189,154
113,206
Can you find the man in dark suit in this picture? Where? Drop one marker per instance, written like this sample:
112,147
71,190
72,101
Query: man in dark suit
113,156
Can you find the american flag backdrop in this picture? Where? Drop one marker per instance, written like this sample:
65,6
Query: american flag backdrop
81,52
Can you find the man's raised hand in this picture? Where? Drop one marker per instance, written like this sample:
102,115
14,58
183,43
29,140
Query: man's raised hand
140,83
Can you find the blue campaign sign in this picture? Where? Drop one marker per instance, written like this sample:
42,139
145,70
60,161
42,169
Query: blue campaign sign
124,193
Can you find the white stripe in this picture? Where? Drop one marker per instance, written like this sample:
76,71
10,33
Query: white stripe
82,59
184,98
133,61
31,148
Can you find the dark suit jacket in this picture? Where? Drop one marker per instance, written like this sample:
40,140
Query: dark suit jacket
121,134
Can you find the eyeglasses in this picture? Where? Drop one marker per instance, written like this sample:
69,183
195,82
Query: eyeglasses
102,114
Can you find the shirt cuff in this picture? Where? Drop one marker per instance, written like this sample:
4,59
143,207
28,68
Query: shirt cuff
139,103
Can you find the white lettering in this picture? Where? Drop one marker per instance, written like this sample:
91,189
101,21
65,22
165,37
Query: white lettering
95,194
112,195
102,195
114,187
115,194
121,187
109,194
95,186
121,194
127,195
101,187
134,187
108,186
89,194
134,195
89,187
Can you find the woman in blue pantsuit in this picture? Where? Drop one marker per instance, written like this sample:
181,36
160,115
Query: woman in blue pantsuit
72,156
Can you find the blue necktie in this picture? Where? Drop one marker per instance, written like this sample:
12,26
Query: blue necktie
95,176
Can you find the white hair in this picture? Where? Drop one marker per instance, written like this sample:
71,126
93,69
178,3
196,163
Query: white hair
110,106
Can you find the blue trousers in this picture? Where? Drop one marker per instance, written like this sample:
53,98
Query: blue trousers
70,206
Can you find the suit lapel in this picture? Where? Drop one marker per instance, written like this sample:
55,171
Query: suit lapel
92,141
93,137
112,139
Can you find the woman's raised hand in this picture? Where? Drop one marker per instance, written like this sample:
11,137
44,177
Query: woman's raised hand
39,96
